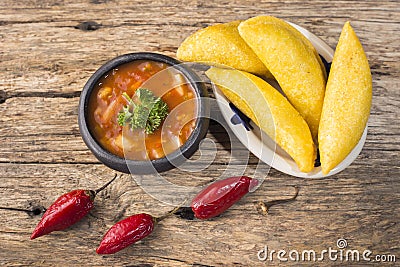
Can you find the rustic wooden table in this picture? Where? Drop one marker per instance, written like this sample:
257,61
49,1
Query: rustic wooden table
47,55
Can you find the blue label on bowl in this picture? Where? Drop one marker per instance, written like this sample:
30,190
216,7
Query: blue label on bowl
326,64
240,118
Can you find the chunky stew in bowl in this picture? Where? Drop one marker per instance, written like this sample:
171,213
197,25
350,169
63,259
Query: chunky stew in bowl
142,110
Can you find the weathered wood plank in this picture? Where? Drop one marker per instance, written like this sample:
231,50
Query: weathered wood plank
52,34
349,210
48,132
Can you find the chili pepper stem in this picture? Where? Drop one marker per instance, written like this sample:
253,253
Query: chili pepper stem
107,184
265,206
169,213
34,211
92,193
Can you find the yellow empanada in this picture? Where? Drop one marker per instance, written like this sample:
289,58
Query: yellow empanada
270,110
296,33
293,64
221,45
347,101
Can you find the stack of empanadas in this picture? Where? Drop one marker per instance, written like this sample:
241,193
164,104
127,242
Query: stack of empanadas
315,110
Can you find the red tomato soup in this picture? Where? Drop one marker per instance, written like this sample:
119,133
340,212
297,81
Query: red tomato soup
107,101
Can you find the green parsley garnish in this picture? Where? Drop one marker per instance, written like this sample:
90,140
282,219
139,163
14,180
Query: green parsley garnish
147,112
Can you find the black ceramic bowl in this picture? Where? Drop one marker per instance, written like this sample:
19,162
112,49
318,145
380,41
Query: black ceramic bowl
136,166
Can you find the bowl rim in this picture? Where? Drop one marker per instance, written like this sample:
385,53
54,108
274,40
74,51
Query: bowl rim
146,166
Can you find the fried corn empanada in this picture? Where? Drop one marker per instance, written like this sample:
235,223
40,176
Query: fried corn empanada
221,44
298,34
347,101
293,64
270,110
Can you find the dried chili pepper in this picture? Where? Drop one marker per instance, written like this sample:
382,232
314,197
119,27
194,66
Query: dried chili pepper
221,195
189,213
128,231
67,210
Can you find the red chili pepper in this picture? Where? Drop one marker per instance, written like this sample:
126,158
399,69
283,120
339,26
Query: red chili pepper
67,210
128,231
221,195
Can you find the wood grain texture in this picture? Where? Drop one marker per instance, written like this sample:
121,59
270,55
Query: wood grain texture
46,57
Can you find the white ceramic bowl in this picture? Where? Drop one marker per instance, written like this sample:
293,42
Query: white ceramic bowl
264,147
